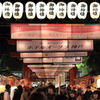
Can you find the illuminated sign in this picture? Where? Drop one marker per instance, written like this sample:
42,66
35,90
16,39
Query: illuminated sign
49,65
52,60
55,31
50,54
54,45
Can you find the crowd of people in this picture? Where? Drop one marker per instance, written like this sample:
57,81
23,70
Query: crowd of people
49,93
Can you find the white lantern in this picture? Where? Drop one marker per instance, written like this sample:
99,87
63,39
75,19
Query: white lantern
17,10
61,10
41,10
0,9
82,10
51,10
7,10
94,10
98,83
72,10
30,10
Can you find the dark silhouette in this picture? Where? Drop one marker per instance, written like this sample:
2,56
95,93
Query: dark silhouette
36,96
60,97
18,93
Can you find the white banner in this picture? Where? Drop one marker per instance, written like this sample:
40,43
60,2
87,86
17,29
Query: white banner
49,65
54,45
55,31
53,54
52,60
76,54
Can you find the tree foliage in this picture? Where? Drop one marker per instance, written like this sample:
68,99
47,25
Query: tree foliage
83,67
91,64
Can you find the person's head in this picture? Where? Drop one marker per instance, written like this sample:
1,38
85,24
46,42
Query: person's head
63,89
36,96
95,94
19,87
41,91
88,88
51,89
79,97
8,87
60,97
72,93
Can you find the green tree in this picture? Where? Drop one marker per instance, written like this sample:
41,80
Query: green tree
83,67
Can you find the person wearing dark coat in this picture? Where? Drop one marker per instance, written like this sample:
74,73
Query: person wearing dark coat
51,92
88,93
18,93
72,95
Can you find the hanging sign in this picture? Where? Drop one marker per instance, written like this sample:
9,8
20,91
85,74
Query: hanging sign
52,60
50,65
51,54
55,31
54,45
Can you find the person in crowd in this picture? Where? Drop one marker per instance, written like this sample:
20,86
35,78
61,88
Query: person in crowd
1,96
26,92
18,92
41,91
7,92
88,93
95,95
79,97
63,90
72,95
60,97
36,96
51,92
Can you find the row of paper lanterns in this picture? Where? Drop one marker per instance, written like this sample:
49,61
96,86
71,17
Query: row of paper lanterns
51,10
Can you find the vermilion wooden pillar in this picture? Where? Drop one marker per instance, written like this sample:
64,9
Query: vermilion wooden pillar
72,73
26,73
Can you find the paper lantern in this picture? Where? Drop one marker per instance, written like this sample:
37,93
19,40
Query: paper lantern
17,10
7,10
94,10
0,9
30,10
72,10
51,10
61,10
82,10
41,10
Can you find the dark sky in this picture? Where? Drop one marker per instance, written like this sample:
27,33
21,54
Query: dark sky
5,49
